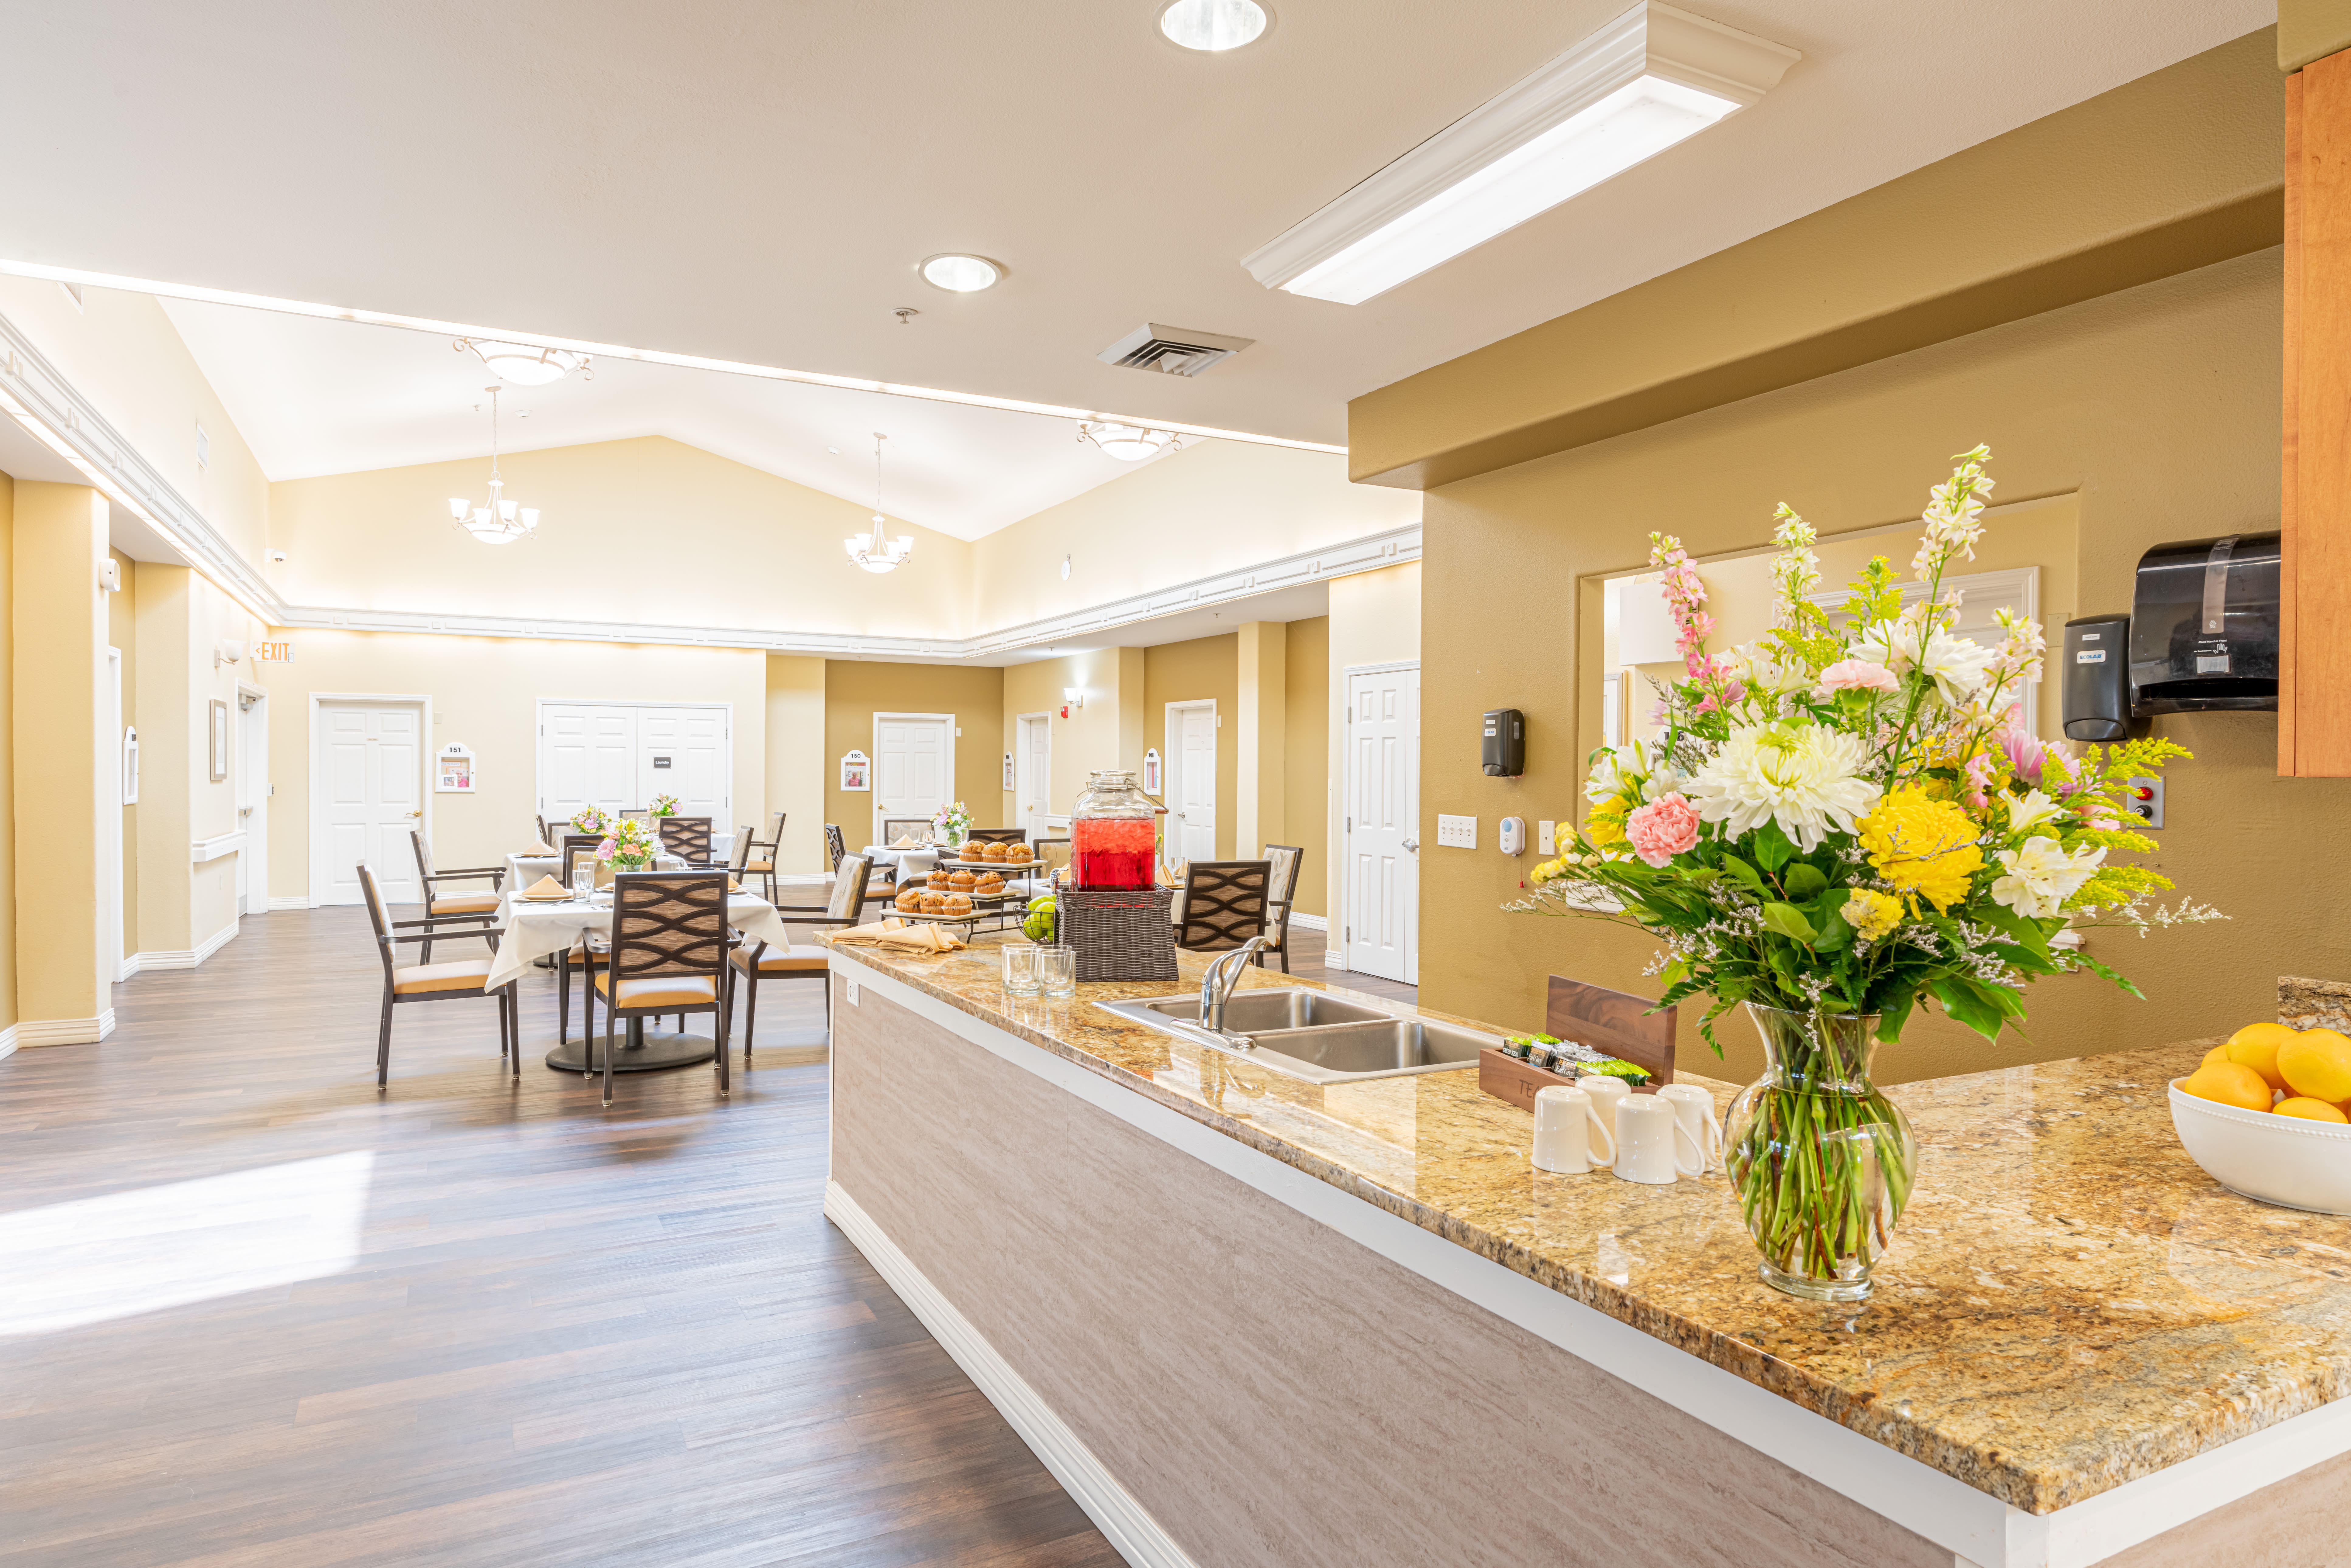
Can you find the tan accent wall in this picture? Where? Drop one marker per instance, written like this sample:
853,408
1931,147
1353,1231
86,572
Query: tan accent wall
485,693
1306,742
58,635
8,1012
122,634
2309,30
1374,620
795,761
1093,736
2158,408
854,691
1187,671
1261,726
2176,170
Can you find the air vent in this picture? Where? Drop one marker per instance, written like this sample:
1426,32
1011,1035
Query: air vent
1172,350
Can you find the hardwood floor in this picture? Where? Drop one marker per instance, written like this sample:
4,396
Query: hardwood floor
565,1336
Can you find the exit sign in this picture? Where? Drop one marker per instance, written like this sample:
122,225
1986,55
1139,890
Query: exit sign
274,653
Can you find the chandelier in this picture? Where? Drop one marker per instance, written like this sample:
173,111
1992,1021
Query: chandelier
501,522
524,365
1129,442
873,551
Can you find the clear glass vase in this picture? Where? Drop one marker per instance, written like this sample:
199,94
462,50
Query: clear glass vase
1821,1161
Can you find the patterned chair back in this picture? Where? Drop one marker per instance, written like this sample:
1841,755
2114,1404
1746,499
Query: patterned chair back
575,846
835,846
669,923
687,838
1224,904
1281,890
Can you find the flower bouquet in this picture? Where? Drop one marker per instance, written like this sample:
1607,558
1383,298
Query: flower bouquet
953,823
628,845
1836,825
592,819
664,805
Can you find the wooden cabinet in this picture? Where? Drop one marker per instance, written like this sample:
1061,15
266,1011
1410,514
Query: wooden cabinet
2314,498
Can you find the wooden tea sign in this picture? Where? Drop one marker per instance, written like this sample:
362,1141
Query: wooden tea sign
1615,1022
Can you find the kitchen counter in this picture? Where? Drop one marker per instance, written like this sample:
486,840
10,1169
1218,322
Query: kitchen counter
2070,1305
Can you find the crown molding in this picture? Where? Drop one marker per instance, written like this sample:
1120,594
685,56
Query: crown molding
40,396
1389,548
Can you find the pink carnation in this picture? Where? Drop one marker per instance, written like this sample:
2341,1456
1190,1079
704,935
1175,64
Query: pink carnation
1662,829
1858,676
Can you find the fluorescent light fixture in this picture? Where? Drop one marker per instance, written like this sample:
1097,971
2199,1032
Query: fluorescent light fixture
960,273
1212,24
1654,77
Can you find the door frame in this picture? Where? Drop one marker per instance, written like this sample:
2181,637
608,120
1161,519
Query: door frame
256,848
1346,857
1019,771
539,742
1172,765
873,797
111,922
318,700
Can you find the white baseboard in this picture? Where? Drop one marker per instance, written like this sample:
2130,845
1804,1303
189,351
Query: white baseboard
1310,922
1131,1530
297,901
130,966
61,1032
1335,959
186,957
8,1041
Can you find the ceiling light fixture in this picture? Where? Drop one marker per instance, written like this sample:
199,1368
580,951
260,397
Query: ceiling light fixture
1654,77
1212,25
527,364
1129,442
501,522
874,551
960,273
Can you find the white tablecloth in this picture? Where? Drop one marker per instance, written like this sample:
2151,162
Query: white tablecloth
529,931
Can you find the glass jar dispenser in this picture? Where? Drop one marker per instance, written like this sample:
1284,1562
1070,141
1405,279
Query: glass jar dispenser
1114,834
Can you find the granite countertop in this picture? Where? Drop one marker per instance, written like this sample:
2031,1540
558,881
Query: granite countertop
2070,1303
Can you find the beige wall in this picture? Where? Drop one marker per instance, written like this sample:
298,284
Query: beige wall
650,531
854,691
1187,671
2158,407
485,693
122,634
1218,504
1095,735
8,1012
1307,753
797,764
1374,620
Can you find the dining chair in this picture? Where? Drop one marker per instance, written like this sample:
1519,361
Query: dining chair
575,846
766,853
1224,904
668,954
463,979
895,827
477,906
688,837
799,961
542,838
996,836
1282,893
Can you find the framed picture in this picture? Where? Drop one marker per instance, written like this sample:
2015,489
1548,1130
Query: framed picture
219,740
453,769
855,771
1151,771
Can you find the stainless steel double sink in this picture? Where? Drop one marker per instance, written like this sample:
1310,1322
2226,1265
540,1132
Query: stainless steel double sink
1314,1036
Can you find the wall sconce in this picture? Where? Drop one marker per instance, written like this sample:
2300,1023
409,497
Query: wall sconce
229,651
1074,696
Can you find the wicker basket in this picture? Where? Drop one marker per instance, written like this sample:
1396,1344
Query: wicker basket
1120,935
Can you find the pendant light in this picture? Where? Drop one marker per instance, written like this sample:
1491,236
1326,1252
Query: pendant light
1129,442
874,551
501,522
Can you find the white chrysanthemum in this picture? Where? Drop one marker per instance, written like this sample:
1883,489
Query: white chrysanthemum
1956,665
2042,876
1806,779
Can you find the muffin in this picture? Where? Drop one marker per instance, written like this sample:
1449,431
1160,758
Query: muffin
956,903
991,851
909,900
934,903
962,880
938,877
991,883
1016,855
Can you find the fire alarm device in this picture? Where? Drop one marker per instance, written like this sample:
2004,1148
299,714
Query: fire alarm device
1504,753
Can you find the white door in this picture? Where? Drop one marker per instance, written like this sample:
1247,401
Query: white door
1036,776
1383,870
371,774
682,751
110,871
1191,780
588,757
253,800
240,784
913,763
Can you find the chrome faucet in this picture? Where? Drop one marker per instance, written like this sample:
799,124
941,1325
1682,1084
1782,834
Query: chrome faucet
1217,985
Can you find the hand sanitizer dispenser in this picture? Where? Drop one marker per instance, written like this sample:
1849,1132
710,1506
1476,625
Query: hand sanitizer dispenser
2094,663
1504,753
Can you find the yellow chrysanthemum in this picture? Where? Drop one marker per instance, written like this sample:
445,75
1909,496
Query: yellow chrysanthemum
1924,846
1871,913
1606,824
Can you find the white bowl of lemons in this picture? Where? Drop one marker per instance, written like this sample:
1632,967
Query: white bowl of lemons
2268,1115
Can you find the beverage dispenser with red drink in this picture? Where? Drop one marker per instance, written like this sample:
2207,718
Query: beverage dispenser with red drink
1114,834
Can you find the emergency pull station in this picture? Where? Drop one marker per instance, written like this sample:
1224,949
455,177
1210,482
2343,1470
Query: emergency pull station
1505,750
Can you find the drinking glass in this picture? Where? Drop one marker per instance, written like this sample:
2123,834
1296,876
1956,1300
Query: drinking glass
1057,968
1020,975
583,882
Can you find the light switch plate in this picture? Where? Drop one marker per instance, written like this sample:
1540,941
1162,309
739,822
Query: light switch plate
1545,841
1456,833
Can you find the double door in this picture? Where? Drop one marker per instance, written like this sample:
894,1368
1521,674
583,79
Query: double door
621,755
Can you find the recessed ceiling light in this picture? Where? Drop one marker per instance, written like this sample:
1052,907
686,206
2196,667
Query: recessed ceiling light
960,273
1212,25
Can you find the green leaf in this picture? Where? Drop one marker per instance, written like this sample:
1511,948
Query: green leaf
2100,969
1771,846
1967,1003
1788,920
1835,934
1803,882
1745,874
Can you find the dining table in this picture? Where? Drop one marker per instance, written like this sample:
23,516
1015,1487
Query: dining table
531,929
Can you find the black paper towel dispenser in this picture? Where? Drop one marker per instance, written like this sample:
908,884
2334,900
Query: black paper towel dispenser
2204,626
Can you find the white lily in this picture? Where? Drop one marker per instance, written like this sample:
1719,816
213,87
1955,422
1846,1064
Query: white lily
2029,809
2042,876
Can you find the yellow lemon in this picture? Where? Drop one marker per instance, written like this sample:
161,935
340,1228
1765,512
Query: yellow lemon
2256,1045
2311,1109
2317,1062
2218,1053
2230,1084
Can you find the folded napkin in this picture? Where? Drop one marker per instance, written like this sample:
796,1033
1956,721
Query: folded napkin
540,849
907,841
898,936
544,887
734,886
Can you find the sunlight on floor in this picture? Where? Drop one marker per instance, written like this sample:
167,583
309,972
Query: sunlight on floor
98,1259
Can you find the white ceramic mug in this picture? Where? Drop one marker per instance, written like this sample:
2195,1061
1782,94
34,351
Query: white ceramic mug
1651,1142
1606,1092
1694,1107
1567,1121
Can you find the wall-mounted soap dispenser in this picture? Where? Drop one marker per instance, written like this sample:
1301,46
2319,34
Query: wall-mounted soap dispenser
2093,663
2204,626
